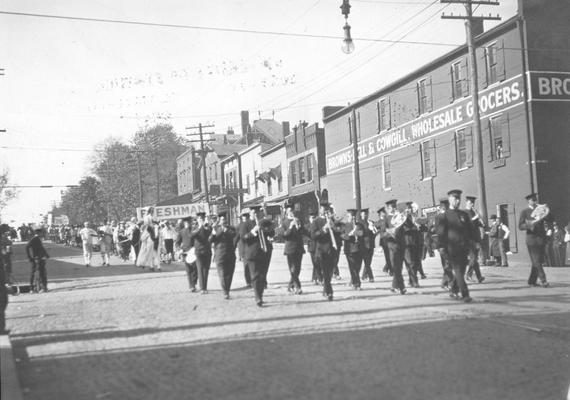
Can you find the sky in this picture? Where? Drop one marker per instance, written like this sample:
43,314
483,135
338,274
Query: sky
70,84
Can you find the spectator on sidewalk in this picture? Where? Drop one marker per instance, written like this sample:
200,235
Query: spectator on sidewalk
87,235
498,233
168,235
106,234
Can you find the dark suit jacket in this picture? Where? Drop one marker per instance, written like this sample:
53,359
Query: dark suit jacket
311,245
293,238
184,240
477,224
535,233
224,244
35,248
322,239
200,237
352,244
455,232
250,242
368,237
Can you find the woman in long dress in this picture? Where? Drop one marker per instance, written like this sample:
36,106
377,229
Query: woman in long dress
148,254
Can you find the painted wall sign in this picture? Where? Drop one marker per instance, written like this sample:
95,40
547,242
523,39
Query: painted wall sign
175,211
549,86
491,100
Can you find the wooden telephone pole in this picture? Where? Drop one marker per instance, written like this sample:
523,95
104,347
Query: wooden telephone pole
474,87
203,152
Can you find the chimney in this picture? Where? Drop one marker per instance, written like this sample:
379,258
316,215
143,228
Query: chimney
244,122
477,27
230,130
286,128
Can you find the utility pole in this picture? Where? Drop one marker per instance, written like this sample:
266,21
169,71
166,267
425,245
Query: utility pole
140,178
203,152
354,135
474,87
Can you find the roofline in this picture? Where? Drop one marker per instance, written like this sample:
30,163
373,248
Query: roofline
249,148
272,149
495,31
183,154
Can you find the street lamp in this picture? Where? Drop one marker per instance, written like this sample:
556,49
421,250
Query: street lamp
347,43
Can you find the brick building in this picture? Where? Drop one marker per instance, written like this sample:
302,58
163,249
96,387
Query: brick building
415,137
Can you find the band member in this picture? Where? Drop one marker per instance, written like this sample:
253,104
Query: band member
475,245
352,237
249,234
368,239
447,278
337,229
323,236
224,238
381,227
455,233
184,242
395,249
317,276
408,238
535,227
245,220
293,232
203,250
266,234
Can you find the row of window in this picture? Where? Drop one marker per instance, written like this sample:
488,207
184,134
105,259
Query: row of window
499,139
301,170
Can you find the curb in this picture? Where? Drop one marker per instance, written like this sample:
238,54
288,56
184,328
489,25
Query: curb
10,384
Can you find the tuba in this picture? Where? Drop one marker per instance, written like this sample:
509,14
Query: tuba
396,220
540,211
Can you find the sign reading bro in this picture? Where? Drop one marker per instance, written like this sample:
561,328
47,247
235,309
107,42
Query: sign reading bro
550,86
174,211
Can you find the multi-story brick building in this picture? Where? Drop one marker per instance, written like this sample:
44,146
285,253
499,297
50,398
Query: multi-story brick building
415,136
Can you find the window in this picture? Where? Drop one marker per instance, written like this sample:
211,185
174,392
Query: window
463,149
491,52
269,187
387,172
457,79
293,173
423,103
309,168
279,183
497,141
427,154
247,183
383,115
302,170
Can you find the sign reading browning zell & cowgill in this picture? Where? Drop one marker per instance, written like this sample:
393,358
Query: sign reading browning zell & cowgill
174,211
495,99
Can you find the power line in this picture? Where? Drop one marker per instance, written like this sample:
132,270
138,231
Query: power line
217,29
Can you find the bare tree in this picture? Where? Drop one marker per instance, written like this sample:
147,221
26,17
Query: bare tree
6,193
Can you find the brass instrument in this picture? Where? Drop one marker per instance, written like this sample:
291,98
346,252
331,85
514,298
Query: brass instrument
261,235
329,226
372,226
540,211
397,220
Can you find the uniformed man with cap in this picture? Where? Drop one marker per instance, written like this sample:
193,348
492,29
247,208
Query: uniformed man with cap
317,275
328,209
475,245
352,242
322,234
368,244
447,278
267,232
224,239
535,227
203,249
395,250
455,233
244,226
381,227
293,232
408,238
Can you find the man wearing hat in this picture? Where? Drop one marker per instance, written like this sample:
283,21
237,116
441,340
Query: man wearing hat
224,238
535,227
317,275
203,250
352,242
475,245
409,240
244,226
266,234
135,237
185,243
37,255
455,234
327,211
395,249
381,228
323,235
293,232
369,232
447,278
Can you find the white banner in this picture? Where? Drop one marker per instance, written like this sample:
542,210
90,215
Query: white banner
174,211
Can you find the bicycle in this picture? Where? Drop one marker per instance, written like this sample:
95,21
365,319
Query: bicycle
12,285
37,285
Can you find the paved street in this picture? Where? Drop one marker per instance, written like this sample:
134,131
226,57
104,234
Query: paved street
122,333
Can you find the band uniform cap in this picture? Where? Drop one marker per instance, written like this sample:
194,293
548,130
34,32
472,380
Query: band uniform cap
403,206
471,198
455,192
187,219
493,216
222,214
201,214
381,209
313,213
364,210
409,203
325,204
391,202
532,196
444,201
351,211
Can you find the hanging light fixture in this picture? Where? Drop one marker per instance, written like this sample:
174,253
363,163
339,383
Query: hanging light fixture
347,43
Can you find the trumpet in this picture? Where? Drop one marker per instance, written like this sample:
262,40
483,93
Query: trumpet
261,235
329,226
372,226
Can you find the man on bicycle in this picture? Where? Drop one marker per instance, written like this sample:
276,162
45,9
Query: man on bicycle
37,255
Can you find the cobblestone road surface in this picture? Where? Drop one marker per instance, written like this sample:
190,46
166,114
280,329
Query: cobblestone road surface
122,333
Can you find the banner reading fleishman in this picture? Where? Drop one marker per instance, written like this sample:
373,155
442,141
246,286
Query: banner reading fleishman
174,211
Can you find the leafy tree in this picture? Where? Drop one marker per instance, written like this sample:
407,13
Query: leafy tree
84,203
6,194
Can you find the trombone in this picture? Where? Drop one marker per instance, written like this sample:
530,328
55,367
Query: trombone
261,235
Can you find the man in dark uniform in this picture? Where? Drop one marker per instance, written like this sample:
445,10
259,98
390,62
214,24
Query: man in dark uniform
447,278
352,239
135,237
253,256
381,227
395,250
317,276
368,244
328,209
475,245
203,250
267,230
245,220
455,232
535,227
185,243
37,255
224,238
294,249
323,236
407,236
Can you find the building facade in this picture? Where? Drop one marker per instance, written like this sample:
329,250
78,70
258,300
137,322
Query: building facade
415,137
273,178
